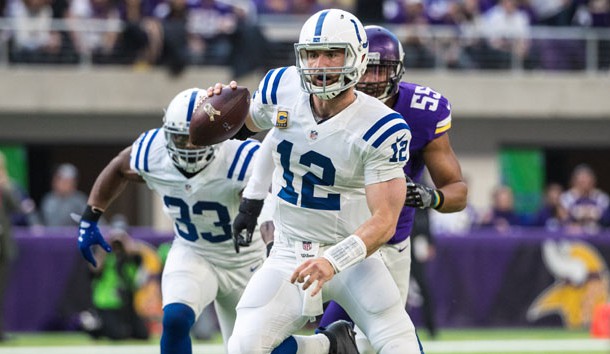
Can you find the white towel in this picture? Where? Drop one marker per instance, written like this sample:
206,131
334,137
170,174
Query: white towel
312,305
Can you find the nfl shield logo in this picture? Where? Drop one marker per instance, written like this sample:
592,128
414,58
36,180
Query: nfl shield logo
306,245
187,187
313,134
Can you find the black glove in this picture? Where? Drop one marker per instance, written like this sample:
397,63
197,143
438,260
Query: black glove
243,133
421,196
249,210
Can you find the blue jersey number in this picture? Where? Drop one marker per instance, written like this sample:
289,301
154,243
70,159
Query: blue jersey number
187,230
400,151
310,180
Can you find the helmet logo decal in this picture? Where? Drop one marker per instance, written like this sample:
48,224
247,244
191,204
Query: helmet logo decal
189,112
281,120
211,111
364,45
318,32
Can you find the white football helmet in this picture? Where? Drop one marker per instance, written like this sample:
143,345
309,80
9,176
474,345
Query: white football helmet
186,156
327,30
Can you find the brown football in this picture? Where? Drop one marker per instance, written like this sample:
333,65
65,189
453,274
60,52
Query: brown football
218,118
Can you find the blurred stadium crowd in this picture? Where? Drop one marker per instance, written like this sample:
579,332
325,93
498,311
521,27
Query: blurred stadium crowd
581,208
454,34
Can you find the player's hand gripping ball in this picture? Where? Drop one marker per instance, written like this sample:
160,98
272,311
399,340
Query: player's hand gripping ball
219,117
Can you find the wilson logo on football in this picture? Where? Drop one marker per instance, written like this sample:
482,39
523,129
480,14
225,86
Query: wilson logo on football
227,126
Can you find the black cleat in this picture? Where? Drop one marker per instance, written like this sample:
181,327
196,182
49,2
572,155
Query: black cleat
341,336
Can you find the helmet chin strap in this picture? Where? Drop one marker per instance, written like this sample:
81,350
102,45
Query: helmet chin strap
325,92
386,97
189,174
190,161
332,90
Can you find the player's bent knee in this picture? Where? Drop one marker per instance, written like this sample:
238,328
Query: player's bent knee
397,343
398,346
364,346
378,278
178,318
252,344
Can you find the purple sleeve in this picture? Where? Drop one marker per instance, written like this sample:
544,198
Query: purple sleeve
428,114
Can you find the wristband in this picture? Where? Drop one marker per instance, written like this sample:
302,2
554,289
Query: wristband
346,253
92,214
440,199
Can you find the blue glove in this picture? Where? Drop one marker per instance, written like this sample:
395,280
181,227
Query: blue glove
89,234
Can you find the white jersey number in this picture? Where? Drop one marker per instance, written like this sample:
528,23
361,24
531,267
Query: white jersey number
185,227
425,98
308,200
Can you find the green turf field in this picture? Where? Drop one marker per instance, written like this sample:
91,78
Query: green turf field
465,341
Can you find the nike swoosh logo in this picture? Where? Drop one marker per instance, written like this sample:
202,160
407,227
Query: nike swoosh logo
254,268
402,249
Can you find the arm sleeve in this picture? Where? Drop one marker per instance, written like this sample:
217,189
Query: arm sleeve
443,114
388,152
262,172
276,87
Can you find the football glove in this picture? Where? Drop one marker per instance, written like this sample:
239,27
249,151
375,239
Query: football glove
243,133
89,234
246,219
421,196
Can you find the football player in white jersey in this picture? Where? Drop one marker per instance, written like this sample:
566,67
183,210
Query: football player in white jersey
200,187
429,148
338,178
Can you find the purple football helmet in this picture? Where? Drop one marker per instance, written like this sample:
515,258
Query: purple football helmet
385,66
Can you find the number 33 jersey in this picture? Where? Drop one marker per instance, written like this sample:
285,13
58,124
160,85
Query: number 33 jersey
203,206
321,170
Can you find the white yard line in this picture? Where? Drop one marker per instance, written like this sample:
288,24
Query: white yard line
108,349
466,346
518,345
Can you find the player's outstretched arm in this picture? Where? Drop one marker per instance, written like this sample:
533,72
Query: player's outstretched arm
254,196
446,174
385,200
108,185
